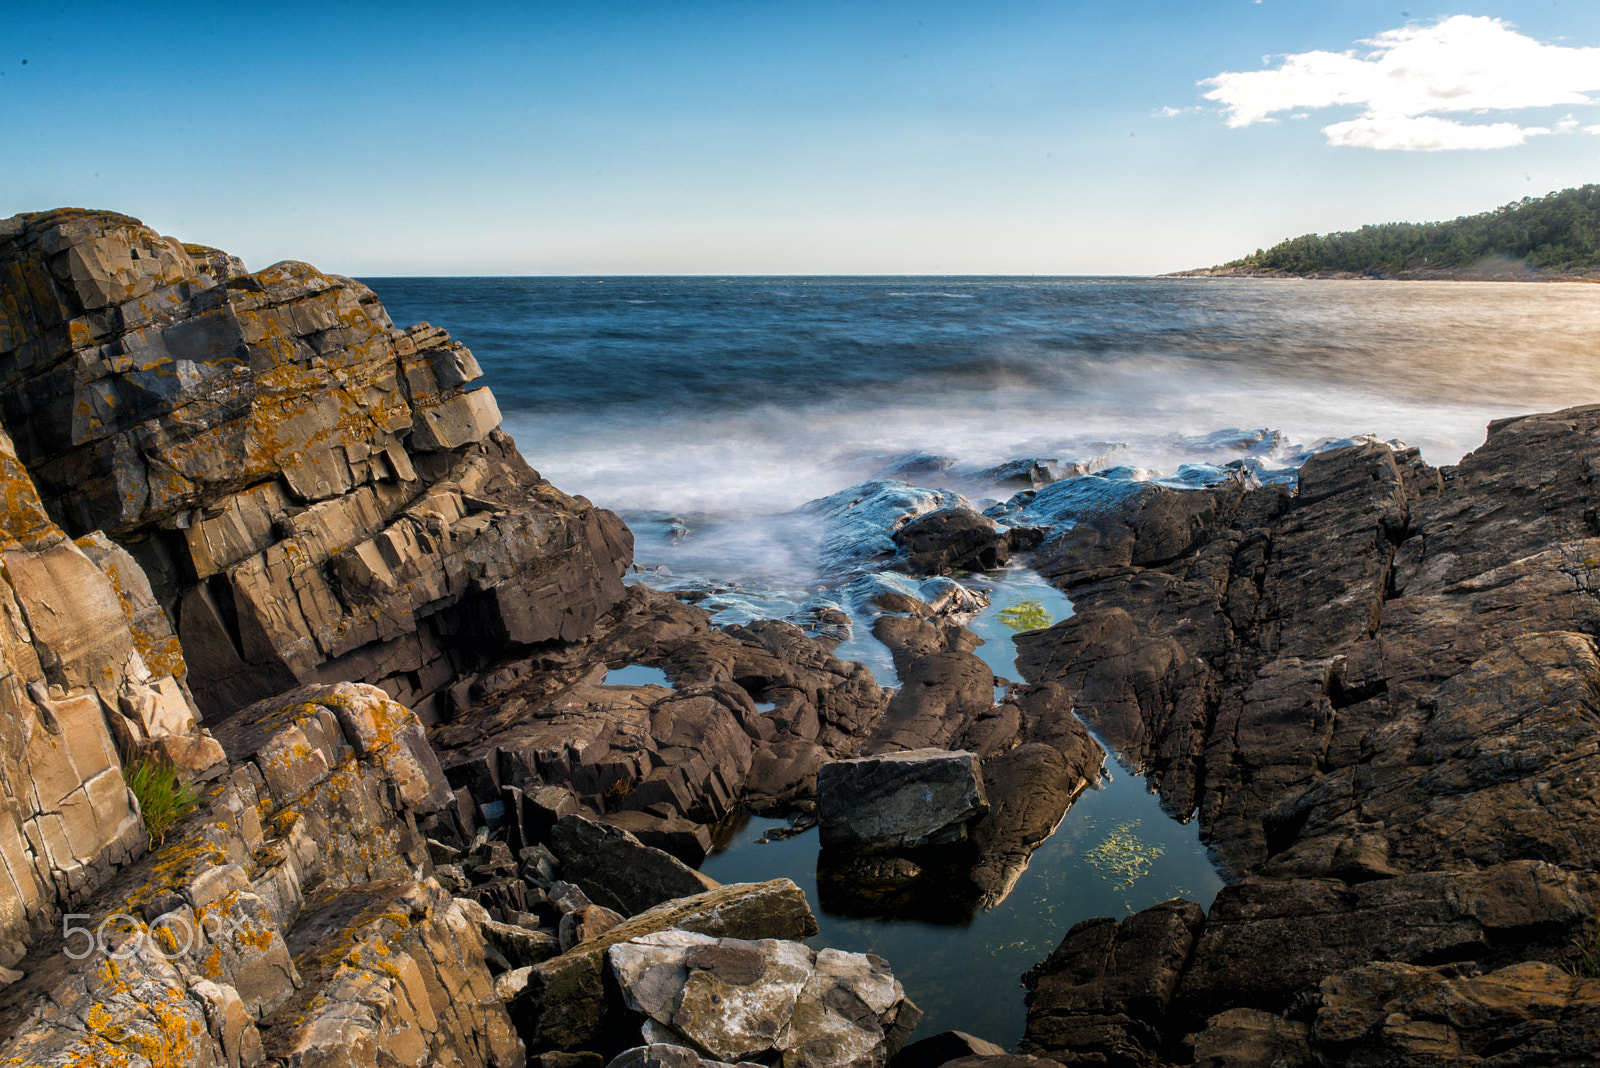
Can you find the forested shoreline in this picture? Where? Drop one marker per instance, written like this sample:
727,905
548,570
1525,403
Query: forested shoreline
1554,235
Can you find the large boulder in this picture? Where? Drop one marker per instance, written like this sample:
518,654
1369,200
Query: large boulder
739,999
899,801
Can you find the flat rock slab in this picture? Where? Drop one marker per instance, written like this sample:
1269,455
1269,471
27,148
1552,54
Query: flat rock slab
899,801
618,871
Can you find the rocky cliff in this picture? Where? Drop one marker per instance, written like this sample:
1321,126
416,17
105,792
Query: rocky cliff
312,494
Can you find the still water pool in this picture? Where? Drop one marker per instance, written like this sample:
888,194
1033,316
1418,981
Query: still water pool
1115,852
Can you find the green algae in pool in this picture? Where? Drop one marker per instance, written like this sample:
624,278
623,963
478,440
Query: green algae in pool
1115,852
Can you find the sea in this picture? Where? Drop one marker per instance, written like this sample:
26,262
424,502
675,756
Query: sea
709,411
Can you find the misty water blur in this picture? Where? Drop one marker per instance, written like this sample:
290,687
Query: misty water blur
686,403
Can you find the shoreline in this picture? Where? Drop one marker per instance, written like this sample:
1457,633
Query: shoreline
1456,274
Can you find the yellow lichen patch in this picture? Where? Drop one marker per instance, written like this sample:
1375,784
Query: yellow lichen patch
23,520
259,939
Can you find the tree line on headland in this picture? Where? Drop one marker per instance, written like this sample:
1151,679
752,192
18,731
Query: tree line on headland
1558,233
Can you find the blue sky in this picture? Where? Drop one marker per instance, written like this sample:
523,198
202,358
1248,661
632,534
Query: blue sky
752,137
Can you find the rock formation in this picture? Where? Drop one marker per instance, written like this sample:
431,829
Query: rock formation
313,495
1378,691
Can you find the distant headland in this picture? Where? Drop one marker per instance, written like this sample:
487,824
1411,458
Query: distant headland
1553,238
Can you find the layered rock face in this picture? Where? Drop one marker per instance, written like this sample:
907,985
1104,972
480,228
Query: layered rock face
313,494
92,678
270,489
1380,694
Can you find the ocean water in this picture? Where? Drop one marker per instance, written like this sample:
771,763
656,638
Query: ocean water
707,410
756,394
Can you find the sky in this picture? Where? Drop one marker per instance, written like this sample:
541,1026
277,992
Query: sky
755,137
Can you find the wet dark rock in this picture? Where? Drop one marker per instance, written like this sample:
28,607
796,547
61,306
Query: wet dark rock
1029,790
944,687
568,742
936,597
1257,442
953,538
900,801
1424,918
861,521
946,1046
684,839
1027,473
1103,995
914,465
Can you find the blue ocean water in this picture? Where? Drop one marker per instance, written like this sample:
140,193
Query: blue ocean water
760,393
705,410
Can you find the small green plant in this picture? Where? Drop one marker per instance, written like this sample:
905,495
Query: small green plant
1025,615
1586,965
162,798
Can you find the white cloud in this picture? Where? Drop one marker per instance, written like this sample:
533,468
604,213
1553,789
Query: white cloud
1169,112
1426,133
1409,77
1592,129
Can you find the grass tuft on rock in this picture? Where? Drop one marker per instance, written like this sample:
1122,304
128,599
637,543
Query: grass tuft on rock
163,799
1585,964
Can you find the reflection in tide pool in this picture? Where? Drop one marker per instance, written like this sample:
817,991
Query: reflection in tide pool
1115,852
637,675
968,977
